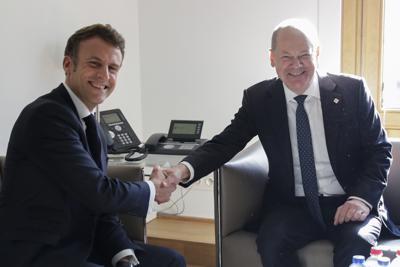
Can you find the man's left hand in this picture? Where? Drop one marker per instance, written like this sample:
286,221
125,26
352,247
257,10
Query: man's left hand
351,210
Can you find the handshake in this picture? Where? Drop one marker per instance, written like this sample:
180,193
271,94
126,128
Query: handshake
166,180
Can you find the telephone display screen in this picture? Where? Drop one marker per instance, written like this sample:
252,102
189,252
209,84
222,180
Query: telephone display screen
111,118
184,128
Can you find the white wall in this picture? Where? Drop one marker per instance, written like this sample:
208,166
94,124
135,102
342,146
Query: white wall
198,56
185,59
33,37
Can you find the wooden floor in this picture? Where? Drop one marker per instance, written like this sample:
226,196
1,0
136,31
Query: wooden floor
194,238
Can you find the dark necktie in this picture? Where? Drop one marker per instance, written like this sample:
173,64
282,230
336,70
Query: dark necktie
93,138
307,163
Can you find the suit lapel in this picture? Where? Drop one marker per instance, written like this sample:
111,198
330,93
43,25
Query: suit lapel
277,112
61,93
332,112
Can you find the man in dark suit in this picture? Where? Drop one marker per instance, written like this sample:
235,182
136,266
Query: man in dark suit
327,151
57,206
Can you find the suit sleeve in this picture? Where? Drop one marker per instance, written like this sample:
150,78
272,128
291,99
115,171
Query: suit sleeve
375,153
54,144
111,238
222,147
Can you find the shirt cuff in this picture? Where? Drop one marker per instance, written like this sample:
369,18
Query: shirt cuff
191,171
362,200
124,253
152,196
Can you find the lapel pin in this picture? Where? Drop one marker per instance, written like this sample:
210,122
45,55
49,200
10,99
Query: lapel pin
336,100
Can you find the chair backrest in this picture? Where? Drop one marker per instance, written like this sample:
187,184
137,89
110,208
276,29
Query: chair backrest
135,226
391,195
238,191
247,173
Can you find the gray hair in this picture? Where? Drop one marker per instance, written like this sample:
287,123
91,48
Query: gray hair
302,25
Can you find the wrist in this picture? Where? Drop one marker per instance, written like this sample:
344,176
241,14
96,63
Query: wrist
183,171
124,264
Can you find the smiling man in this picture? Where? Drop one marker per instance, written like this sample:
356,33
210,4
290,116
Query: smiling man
57,205
327,151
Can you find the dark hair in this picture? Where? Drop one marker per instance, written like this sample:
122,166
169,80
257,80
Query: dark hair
105,32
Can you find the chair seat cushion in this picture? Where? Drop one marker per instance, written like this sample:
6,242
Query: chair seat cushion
239,249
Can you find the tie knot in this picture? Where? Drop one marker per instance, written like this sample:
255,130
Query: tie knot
89,120
300,99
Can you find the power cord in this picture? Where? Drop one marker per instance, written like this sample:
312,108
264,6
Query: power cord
175,203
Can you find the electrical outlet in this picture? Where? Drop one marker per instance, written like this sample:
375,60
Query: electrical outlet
205,183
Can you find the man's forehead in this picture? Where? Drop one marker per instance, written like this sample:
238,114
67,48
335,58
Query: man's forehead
94,50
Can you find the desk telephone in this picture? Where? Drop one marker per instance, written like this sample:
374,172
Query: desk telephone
120,135
183,137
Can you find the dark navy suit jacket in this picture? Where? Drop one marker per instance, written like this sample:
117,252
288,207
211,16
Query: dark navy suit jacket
53,191
358,150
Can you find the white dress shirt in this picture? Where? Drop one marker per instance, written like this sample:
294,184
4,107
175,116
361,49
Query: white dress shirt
328,185
83,112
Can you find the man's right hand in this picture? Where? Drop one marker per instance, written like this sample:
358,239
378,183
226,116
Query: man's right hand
164,189
177,174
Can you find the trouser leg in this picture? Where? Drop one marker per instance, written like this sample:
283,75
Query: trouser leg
354,238
282,233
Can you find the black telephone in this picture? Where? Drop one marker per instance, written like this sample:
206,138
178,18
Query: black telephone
183,137
121,137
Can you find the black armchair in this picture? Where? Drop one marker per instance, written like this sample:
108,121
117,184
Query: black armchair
239,187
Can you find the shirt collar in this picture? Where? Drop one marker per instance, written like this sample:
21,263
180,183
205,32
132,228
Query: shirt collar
312,90
83,111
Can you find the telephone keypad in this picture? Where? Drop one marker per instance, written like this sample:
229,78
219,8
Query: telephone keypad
124,138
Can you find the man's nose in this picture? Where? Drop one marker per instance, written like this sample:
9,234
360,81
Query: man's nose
103,73
297,62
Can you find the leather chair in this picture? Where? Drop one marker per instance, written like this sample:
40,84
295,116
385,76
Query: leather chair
239,188
135,226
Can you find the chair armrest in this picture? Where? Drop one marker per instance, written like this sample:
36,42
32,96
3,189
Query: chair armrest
391,194
135,226
239,189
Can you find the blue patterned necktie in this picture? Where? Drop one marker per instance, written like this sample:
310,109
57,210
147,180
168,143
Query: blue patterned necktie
93,138
307,163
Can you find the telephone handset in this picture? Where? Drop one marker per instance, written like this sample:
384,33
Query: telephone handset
154,140
122,138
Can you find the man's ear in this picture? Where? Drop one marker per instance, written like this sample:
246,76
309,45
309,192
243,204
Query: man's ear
67,65
272,58
317,52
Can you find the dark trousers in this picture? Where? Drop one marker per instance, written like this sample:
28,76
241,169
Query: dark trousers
289,227
35,254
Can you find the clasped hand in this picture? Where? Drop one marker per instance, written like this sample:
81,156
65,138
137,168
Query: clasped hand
165,182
